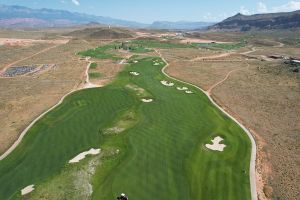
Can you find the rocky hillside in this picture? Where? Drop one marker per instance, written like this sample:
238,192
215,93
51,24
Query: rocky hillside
101,33
260,21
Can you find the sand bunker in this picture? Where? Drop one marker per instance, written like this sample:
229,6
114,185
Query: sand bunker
189,92
82,155
182,88
216,146
135,73
166,83
123,62
147,100
156,62
135,61
27,190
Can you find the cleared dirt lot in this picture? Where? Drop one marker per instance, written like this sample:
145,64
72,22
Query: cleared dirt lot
265,97
186,54
9,54
203,74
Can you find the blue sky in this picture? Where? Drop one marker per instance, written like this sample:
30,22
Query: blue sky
171,10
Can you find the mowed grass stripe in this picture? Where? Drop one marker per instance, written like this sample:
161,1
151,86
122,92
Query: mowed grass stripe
160,148
163,156
43,153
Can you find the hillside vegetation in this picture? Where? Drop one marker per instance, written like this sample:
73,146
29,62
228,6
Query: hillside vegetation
101,33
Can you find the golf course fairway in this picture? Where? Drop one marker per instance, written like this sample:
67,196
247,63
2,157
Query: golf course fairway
153,150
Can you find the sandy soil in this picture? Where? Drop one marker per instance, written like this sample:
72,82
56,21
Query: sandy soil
182,88
27,42
147,100
28,57
135,73
82,155
216,145
27,190
166,83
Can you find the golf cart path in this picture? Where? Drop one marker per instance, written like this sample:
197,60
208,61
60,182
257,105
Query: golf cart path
87,85
253,144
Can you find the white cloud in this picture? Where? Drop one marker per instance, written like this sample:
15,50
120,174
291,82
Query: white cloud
207,16
290,6
262,8
244,11
76,2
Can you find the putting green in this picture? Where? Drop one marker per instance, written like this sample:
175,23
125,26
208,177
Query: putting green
161,145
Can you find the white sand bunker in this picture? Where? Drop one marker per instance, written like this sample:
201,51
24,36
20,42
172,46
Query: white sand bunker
182,88
189,92
216,146
147,100
135,73
27,190
166,83
135,61
82,155
156,62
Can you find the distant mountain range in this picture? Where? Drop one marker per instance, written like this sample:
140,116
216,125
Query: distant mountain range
19,16
23,17
242,22
181,25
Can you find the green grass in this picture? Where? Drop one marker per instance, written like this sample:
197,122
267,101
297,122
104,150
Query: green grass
160,44
161,149
94,75
228,46
101,52
139,49
93,65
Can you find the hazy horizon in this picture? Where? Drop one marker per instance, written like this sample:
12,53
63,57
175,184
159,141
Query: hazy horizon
175,10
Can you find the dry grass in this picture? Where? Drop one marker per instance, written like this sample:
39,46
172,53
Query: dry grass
289,51
11,54
108,70
204,74
186,54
